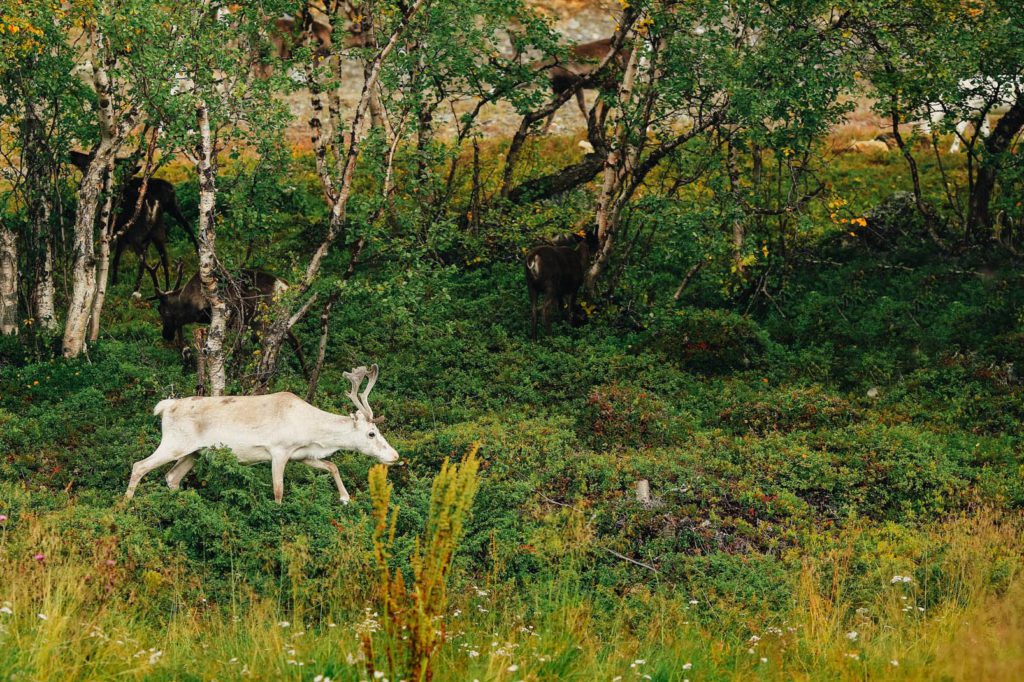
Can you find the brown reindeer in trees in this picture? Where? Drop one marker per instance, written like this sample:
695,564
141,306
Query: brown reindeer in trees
145,229
584,58
246,297
556,271
312,26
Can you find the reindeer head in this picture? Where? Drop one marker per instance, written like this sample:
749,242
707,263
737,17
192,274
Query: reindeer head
372,442
174,310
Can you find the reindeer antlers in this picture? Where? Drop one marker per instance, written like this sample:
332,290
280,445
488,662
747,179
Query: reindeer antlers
157,291
355,377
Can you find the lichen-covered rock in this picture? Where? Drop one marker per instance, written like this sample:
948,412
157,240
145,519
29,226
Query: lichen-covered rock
894,221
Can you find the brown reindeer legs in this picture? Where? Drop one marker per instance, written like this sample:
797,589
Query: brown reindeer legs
533,314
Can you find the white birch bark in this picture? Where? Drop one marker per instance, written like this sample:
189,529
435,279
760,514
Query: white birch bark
43,308
83,288
213,350
106,227
8,282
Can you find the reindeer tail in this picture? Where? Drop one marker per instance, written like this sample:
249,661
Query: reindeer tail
161,406
533,264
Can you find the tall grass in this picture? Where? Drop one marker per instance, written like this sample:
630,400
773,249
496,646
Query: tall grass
954,613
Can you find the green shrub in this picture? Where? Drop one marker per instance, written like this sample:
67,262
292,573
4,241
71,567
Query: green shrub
708,341
789,409
623,416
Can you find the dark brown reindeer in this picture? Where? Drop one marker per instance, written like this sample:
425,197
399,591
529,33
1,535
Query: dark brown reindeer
312,27
246,297
145,229
556,271
584,58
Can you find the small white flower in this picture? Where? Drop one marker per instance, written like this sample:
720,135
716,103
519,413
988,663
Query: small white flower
754,638
687,665
512,668
693,601
894,663
750,651
852,635
474,654
640,661
42,616
764,660
284,624
6,609
377,674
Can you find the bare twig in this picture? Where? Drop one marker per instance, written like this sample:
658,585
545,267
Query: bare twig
322,353
632,561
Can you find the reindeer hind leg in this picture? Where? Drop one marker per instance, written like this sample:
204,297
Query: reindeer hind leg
533,313
161,248
582,102
116,265
164,454
550,301
138,275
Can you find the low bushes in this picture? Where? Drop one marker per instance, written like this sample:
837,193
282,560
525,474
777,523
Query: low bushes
708,341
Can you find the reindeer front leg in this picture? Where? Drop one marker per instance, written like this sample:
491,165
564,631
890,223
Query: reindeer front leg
179,470
331,467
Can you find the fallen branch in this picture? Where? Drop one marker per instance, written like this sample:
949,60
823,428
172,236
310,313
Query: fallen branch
632,561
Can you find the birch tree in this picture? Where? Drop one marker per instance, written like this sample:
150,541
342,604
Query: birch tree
336,159
38,116
114,125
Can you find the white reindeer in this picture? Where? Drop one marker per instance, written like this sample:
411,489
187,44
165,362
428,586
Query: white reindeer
981,97
275,428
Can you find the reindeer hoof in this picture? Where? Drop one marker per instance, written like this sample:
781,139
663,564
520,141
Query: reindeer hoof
345,499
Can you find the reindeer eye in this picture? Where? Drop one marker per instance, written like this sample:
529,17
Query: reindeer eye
372,434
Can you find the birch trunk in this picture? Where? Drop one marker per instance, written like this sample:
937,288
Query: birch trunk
37,159
8,282
43,309
106,228
739,235
84,274
608,209
213,350
83,288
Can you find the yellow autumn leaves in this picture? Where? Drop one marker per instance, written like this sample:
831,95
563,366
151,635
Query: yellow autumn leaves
835,206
